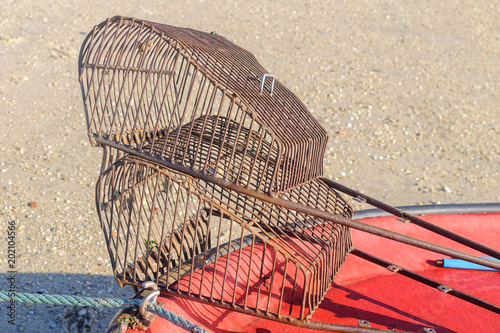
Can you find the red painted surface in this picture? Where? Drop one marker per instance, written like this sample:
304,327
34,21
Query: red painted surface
235,281
365,291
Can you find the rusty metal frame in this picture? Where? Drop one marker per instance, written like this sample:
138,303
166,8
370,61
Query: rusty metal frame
279,201
211,186
431,283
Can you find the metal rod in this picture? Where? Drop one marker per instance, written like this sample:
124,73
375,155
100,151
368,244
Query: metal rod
303,208
315,325
464,208
415,220
125,68
422,279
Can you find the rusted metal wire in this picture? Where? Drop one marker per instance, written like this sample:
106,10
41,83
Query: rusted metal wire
413,219
422,279
210,182
174,106
167,90
162,225
332,217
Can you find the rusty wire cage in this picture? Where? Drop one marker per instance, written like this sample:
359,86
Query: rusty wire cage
197,140
211,180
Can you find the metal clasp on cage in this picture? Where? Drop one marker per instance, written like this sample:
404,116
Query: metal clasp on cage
145,318
137,318
263,81
149,298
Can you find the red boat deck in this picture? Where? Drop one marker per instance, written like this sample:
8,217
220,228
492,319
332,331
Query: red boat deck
365,291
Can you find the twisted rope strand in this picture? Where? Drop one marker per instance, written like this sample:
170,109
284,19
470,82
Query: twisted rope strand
101,303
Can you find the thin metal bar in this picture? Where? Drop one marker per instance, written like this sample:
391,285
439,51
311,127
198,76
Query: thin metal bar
491,207
249,272
195,237
418,221
422,279
313,211
206,248
314,325
125,68
183,109
224,280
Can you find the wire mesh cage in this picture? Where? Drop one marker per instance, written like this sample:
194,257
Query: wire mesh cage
196,99
195,238
211,180
196,138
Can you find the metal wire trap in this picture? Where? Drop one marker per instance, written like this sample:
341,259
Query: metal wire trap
182,119
201,240
211,176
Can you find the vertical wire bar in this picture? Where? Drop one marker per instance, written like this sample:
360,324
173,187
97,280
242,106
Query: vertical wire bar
238,266
245,151
183,234
282,292
153,198
223,140
236,141
166,95
216,260
249,273
266,163
164,100
200,91
139,218
294,288
206,249
162,233
261,275
305,293
154,100
120,180
202,131
228,256
194,245
271,283
140,94
155,88
127,231
213,136
181,120
178,90
172,230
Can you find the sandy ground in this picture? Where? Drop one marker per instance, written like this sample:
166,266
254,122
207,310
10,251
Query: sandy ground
408,92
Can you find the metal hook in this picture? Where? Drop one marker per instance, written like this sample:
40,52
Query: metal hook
263,81
151,286
150,297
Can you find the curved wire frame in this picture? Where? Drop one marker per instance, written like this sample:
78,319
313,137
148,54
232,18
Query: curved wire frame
211,182
192,100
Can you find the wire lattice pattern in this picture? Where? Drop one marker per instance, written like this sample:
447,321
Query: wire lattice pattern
190,144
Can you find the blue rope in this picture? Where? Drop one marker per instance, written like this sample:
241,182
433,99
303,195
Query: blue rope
101,303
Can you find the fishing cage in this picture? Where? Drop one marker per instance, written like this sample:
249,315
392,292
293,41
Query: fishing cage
200,147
